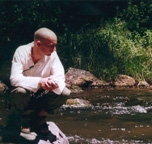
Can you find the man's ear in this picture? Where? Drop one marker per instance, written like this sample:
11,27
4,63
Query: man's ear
38,43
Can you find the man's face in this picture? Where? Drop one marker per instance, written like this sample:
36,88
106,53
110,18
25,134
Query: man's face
48,46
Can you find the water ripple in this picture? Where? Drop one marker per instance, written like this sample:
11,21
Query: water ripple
117,109
79,139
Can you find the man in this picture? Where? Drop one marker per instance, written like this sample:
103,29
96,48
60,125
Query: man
38,81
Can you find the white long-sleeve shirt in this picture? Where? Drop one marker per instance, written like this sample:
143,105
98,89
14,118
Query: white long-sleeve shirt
26,74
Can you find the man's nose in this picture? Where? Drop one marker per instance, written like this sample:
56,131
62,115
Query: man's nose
54,49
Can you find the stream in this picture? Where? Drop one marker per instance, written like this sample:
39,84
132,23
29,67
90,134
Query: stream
115,116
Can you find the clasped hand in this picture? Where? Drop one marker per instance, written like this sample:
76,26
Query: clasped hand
48,84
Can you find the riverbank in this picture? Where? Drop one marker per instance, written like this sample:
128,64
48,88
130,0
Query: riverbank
78,79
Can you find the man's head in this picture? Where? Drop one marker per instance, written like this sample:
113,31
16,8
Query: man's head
45,40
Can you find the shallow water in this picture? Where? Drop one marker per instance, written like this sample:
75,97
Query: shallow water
115,116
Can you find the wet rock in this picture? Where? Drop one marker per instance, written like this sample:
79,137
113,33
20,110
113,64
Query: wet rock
60,136
80,78
124,81
138,109
77,103
98,83
143,84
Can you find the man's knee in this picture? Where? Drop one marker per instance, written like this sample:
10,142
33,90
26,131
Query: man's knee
19,97
66,91
18,90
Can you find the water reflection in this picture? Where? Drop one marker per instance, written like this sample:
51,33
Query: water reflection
114,116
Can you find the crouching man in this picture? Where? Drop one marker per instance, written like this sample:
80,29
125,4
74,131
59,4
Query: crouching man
38,81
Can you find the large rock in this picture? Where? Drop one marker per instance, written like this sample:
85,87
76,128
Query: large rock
61,138
76,78
124,81
79,77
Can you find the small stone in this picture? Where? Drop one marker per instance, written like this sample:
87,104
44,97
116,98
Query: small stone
143,84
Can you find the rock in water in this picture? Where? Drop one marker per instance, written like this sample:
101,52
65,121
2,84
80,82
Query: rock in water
76,103
61,138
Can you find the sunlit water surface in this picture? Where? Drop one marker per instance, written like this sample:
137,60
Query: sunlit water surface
115,116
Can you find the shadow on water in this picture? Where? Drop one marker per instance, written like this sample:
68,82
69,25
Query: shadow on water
115,116
10,127
10,135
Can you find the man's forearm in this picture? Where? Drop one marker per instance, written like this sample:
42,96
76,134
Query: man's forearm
29,83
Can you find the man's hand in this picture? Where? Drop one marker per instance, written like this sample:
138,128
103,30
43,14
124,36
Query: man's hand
48,84
52,85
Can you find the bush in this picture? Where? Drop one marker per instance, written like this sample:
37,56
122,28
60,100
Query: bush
110,46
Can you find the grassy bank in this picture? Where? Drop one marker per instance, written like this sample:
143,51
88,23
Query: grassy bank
119,45
110,50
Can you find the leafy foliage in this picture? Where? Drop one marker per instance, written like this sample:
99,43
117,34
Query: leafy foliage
106,45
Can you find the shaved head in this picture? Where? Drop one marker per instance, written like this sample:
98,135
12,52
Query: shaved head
43,34
45,41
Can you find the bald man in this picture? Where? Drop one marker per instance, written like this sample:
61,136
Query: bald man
38,80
